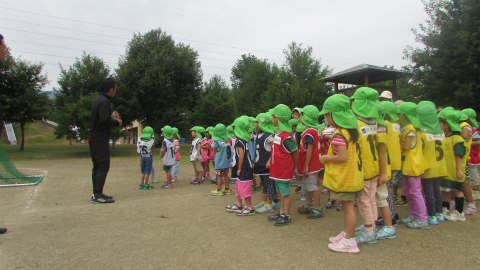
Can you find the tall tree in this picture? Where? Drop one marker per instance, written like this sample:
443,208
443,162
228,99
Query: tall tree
158,80
79,86
448,66
23,102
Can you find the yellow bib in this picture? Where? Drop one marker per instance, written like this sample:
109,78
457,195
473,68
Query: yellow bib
451,180
368,140
347,176
434,155
413,161
393,145
382,139
468,144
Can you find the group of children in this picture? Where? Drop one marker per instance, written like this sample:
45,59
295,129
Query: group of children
367,146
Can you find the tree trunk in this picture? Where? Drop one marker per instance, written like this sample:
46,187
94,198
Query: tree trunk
22,128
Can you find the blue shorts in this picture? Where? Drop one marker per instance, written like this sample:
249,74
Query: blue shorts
146,165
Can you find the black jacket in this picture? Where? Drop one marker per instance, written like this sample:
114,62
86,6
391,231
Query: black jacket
101,120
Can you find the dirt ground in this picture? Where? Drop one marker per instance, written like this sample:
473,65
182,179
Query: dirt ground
55,226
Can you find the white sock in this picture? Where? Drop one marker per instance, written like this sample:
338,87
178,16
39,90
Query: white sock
351,241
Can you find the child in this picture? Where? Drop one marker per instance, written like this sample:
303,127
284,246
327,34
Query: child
242,169
145,146
168,155
231,141
364,107
296,135
152,174
308,161
467,134
472,165
413,165
176,167
207,152
387,231
194,153
263,145
223,158
326,137
343,168
252,145
433,140
283,161
455,156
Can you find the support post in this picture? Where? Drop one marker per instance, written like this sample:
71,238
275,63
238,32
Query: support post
394,90
336,88
366,79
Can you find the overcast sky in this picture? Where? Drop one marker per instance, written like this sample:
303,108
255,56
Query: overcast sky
343,33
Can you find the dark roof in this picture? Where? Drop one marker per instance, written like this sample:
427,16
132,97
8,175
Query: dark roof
356,75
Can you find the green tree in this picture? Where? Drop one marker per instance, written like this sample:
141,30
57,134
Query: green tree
23,102
448,66
158,80
79,86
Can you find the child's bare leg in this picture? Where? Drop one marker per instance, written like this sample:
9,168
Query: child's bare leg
387,215
142,178
287,203
468,192
395,190
309,197
350,218
169,178
316,198
227,180
219,182
239,200
248,201
147,176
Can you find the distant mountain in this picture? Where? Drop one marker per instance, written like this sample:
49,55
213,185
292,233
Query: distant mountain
50,94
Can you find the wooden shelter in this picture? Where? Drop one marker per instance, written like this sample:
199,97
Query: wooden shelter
364,75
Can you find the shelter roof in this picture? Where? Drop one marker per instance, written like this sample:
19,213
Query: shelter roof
356,75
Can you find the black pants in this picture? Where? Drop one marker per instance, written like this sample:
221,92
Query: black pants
101,165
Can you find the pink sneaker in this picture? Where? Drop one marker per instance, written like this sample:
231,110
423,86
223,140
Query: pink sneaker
174,180
344,247
193,180
325,191
337,238
470,211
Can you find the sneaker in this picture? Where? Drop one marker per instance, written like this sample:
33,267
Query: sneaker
381,222
103,195
216,192
417,224
452,205
330,204
174,180
264,210
476,195
316,213
440,217
360,228
299,187
274,217
325,191
306,209
198,182
337,238
259,205
255,188
227,192
407,220
470,211
3,230
213,181
147,187
386,233
193,180
454,215
167,186
364,238
233,208
303,197
445,212
246,212
343,247
141,186
432,220
294,184
401,202
282,220
340,208
153,181
276,205
101,199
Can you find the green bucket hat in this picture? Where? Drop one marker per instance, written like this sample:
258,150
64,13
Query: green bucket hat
300,126
220,133
339,106
251,127
175,131
293,122
241,126
381,112
427,115
310,115
410,110
211,131
426,102
463,117
390,109
283,113
265,122
452,117
198,130
230,131
147,133
364,102
472,115
167,132
440,113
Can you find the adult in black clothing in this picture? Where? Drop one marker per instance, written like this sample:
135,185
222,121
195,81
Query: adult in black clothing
3,53
101,121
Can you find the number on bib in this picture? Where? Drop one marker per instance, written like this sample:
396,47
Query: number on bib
359,152
371,140
439,150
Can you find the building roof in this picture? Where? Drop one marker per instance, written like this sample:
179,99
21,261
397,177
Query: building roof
356,75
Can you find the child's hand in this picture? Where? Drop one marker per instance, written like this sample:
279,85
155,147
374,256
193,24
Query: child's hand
238,172
305,171
382,179
459,175
322,159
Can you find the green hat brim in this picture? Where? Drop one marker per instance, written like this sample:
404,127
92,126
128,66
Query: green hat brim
345,119
282,122
365,108
222,138
307,120
454,126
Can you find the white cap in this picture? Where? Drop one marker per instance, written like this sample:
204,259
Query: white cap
398,102
386,94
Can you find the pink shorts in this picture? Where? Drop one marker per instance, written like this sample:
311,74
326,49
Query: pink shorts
244,189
